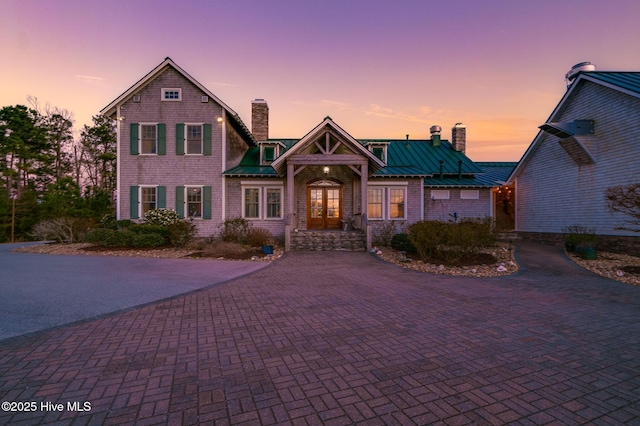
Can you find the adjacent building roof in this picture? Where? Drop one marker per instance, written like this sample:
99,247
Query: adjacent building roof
625,82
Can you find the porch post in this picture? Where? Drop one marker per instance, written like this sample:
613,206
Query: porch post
290,207
364,195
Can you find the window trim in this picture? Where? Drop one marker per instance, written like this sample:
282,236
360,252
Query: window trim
386,199
381,217
140,150
440,194
470,194
262,188
186,201
186,139
404,202
141,200
165,90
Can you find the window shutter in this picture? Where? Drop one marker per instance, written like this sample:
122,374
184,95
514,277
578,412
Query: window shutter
133,201
133,139
179,139
162,197
162,139
180,201
206,202
206,139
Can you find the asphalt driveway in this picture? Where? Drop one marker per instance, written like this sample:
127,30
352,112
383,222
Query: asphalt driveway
38,292
344,338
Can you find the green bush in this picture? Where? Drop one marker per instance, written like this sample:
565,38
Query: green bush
402,242
109,237
147,240
258,237
181,233
144,228
235,230
451,241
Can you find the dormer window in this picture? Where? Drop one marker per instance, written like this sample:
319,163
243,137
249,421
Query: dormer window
269,152
379,149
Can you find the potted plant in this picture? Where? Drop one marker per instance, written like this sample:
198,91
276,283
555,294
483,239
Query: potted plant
582,240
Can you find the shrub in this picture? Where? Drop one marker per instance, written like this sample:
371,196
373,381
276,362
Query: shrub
402,242
109,237
147,240
579,235
164,217
62,229
451,241
258,237
385,233
145,228
181,233
235,230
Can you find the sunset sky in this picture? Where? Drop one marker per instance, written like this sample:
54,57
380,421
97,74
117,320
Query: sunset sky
380,69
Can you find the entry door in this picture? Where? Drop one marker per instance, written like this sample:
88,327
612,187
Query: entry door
324,208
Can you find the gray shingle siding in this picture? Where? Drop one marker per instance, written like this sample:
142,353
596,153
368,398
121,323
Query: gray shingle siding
172,170
554,192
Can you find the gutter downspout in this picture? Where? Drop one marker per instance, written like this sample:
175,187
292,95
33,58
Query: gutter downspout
118,164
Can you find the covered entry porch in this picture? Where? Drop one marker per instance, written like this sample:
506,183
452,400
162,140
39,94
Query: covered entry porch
327,174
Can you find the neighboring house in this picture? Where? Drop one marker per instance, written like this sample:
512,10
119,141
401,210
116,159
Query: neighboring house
181,147
590,142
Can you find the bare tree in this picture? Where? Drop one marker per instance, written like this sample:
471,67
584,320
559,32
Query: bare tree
625,199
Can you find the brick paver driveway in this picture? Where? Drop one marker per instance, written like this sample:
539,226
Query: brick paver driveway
343,338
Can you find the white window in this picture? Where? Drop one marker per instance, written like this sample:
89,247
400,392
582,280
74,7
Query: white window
469,194
387,202
171,94
261,201
397,203
193,197
375,203
251,203
440,194
148,138
193,137
148,199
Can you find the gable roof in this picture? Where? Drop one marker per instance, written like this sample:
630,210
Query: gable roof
374,162
111,109
626,82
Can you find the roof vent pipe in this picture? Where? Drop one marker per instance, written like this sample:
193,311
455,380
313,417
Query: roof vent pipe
576,69
441,168
435,135
459,169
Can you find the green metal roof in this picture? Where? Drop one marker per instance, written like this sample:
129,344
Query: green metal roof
629,81
415,158
493,174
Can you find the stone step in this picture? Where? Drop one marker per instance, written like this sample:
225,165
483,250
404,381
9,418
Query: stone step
328,241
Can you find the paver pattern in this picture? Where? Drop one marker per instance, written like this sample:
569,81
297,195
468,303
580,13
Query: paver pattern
343,338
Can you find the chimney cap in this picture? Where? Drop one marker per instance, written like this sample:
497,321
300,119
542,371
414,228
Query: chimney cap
459,126
259,101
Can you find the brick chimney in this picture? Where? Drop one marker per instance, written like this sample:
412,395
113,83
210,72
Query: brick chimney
260,120
459,137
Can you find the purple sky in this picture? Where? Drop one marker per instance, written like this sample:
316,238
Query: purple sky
380,69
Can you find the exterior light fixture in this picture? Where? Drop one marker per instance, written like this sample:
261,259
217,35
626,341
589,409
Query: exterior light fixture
325,169
219,119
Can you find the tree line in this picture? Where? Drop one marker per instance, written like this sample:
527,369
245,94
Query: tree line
46,173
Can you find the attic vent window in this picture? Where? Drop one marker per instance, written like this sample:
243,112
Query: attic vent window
171,94
204,99
136,98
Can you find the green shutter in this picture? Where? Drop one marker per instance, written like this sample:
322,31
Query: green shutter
133,201
206,202
179,139
206,138
133,139
162,197
180,201
162,139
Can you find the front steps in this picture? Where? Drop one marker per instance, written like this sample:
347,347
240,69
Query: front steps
328,240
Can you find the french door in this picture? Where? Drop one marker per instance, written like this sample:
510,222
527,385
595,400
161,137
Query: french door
324,207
